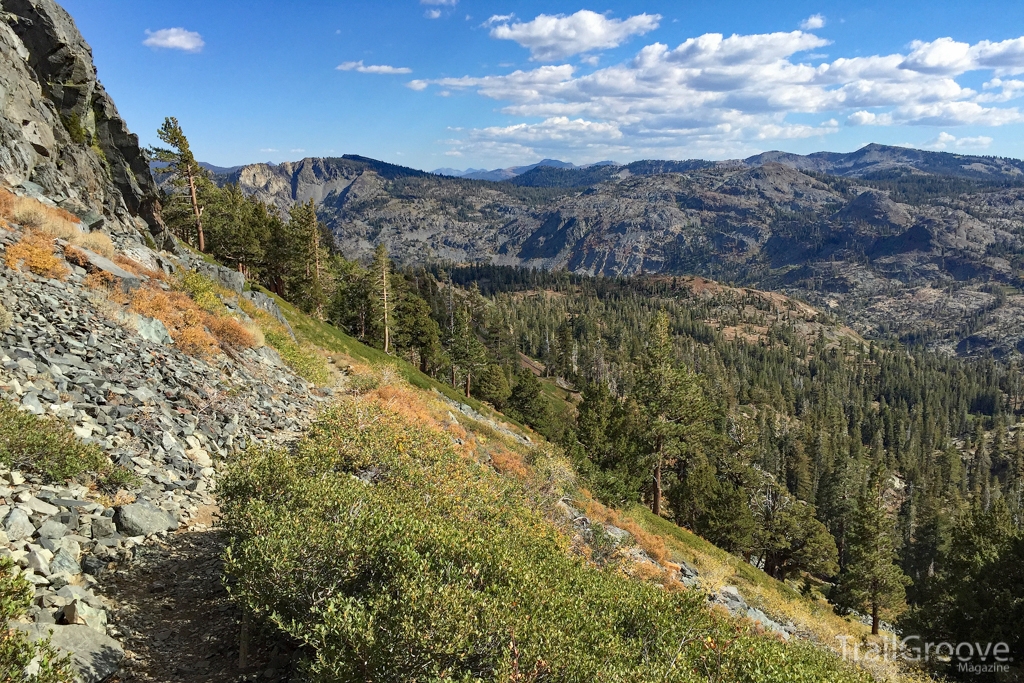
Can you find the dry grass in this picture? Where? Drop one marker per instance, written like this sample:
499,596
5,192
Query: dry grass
98,243
35,252
652,544
34,215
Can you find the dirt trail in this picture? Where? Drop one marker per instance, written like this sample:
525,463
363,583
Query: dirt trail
176,621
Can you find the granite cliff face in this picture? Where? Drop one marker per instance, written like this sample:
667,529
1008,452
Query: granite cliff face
60,134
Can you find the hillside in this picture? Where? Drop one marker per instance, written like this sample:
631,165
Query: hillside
923,246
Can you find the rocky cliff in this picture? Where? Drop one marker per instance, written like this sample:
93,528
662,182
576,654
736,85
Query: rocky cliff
60,134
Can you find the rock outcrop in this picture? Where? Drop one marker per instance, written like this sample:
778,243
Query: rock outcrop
61,136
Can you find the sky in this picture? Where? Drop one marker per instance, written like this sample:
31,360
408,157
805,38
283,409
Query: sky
481,84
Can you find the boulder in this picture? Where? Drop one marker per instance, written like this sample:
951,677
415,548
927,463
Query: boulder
64,562
18,526
143,518
152,330
94,656
225,277
101,264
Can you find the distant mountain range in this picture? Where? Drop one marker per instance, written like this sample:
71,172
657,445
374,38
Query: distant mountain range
500,174
925,245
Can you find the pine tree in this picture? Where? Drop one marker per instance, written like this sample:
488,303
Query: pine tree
181,162
871,580
677,416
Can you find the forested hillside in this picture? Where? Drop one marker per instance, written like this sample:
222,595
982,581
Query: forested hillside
888,478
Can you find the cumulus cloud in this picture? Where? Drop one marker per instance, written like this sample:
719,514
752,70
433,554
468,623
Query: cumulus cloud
174,39
715,94
946,140
813,22
373,68
554,37
432,14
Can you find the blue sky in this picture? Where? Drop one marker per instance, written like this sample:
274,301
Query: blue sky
468,83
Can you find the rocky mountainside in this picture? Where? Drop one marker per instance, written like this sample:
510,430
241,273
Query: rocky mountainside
924,245
60,134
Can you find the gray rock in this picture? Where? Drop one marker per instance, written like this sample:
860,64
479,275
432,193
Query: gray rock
78,612
51,528
64,562
152,330
142,519
102,527
225,277
18,525
94,655
102,264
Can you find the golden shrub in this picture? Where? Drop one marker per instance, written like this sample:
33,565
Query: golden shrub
76,256
230,332
195,341
35,252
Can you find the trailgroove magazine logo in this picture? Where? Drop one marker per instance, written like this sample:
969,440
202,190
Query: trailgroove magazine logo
972,658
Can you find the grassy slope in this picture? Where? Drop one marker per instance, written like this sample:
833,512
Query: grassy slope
812,616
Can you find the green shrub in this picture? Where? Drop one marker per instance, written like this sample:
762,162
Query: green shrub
16,651
117,478
45,445
202,289
306,363
389,557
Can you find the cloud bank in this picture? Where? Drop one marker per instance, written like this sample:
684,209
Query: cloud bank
714,94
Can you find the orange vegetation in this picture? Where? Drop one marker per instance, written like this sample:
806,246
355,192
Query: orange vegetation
35,252
653,545
194,330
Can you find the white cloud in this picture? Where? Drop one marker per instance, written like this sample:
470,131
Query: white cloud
815,21
945,140
174,39
553,37
499,19
432,14
268,149
373,68
447,3
719,95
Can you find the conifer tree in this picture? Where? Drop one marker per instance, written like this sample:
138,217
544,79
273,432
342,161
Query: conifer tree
183,165
871,581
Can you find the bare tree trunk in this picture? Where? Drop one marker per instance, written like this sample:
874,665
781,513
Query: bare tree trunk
656,504
198,212
874,619
384,286
468,375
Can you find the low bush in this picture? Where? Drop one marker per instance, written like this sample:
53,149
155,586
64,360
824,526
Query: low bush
194,330
389,557
17,654
6,319
115,478
35,251
303,360
45,445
